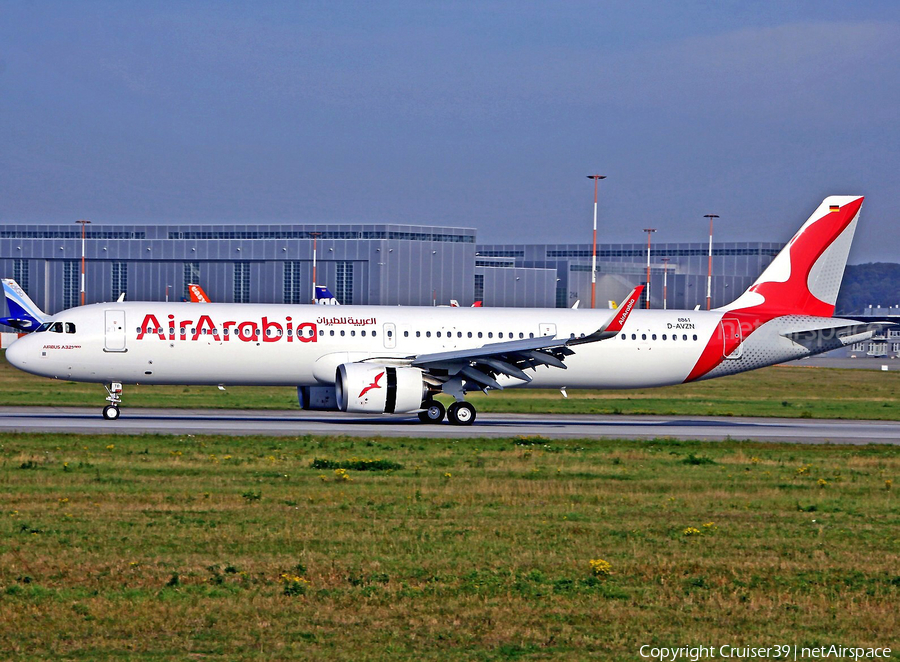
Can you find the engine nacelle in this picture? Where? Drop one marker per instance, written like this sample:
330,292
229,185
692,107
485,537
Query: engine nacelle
369,388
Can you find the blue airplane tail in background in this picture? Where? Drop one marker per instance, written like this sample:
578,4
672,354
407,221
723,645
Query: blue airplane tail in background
324,297
24,315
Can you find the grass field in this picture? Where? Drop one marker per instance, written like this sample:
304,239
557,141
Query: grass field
168,548
789,391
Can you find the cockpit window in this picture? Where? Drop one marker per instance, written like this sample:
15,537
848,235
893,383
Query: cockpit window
70,327
43,327
57,327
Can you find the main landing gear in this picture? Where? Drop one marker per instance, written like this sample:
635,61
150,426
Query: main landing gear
459,413
111,411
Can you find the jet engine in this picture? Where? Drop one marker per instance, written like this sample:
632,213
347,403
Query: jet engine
369,388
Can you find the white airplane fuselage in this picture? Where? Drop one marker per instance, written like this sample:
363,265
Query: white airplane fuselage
293,345
383,359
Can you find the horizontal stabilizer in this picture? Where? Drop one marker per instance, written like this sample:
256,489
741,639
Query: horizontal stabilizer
847,332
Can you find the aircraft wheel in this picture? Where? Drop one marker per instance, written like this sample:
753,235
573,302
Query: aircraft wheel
110,413
461,413
434,412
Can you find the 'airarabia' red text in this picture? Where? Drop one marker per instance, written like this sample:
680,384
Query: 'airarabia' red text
247,331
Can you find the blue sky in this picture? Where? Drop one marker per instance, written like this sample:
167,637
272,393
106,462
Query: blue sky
479,114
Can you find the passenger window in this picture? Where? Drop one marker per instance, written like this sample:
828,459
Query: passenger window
623,336
684,337
664,336
438,334
406,334
500,335
418,334
459,334
331,332
172,331
353,333
490,334
634,336
343,332
363,332
479,334
390,334
653,337
521,335
695,336
373,334
469,334
70,328
322,332
643,336
428,334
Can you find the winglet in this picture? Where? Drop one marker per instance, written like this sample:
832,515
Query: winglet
615,323
23,313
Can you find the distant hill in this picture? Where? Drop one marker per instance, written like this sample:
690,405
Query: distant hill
875,283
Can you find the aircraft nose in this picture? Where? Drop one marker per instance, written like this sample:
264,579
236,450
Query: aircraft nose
16,353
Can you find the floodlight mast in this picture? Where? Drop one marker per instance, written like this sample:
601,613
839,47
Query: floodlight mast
84,223
649,232
665,262
596,179
315,236
709,266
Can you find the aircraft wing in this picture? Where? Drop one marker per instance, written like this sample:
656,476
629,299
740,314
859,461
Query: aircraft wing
480,366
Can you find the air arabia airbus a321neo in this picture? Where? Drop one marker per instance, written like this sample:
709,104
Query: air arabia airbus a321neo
394,360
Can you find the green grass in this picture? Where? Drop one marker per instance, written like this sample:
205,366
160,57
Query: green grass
787,391
172,548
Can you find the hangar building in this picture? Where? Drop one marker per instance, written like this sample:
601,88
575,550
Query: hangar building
361,263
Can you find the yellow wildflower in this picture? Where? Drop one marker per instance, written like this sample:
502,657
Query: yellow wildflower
600,568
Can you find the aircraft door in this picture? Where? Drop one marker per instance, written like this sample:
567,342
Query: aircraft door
546,330
733,341
115,331
390,335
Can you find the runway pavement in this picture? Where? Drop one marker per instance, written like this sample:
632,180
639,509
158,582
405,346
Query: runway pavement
289,423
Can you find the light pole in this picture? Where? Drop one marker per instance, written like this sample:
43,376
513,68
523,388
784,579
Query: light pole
649,232
315,236
709,267
665,262
84,223
596,179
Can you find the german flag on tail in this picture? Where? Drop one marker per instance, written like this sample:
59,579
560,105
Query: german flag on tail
834,208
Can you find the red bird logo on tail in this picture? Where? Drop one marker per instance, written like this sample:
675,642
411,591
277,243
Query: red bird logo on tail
374,384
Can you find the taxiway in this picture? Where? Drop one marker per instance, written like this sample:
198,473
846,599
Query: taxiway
290,423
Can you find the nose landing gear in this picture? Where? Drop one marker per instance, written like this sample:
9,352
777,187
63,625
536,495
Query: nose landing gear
111,411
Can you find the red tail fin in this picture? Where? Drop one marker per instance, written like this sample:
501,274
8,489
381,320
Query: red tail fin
805,277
